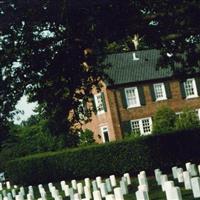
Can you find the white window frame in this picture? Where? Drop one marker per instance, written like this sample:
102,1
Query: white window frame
164,95
194,88
104,128
137,104
141,125
96,96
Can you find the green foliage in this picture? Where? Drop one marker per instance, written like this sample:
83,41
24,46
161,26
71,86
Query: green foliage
164,120
146,153
188,119
86,137
132,135
31,137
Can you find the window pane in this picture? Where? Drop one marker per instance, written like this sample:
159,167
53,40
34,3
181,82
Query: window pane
135,126
131,97
159,91
146,126
99,103
189,87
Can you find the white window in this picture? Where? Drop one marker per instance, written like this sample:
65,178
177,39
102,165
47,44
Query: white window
142,126
99,103
159,90
132,97
190,88
135,125
105,134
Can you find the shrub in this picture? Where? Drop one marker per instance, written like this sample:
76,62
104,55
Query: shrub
132,135
86,137
144,153
188,119
164,120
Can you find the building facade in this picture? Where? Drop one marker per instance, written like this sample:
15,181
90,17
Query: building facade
139,89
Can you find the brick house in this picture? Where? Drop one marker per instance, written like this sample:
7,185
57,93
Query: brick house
139,89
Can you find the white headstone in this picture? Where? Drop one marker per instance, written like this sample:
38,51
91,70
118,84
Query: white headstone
187,166
143,188
87,182
13,191
80,188
99,181
74,184
113,180
168,185
180,175
187,180
173,193
94,185
71,193
195,182
158,174
50,185
77,196
174,172
22,191
30,197
19,197
164,179
193,170
142,195
103,190
97,195
110,197
9,195
66,190
142,179
8,185
118,193
62,183
123,186
87,192
128,178
108,185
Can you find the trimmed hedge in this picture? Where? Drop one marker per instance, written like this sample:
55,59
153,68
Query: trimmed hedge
144,153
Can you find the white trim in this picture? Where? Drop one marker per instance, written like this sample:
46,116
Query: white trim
163,91
136,96
194,88
102,133
141,127
97,103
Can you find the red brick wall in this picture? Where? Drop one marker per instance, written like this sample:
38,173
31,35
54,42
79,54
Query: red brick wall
116,113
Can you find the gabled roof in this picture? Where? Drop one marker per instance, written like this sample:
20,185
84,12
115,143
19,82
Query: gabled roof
126,70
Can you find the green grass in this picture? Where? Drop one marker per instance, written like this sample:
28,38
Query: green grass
155,191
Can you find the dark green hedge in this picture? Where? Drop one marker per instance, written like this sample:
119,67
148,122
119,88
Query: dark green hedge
144,153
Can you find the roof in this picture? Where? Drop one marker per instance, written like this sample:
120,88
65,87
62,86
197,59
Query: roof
126,70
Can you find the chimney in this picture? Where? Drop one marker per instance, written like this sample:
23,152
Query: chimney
134,57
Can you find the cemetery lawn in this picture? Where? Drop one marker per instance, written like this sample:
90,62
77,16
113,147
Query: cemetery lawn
155,191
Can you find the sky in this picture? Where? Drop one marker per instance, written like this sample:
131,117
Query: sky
26,107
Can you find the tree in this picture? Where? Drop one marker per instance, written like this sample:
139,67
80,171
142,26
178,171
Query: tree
55,43
86,137
164,120
173,29
48,48
188,119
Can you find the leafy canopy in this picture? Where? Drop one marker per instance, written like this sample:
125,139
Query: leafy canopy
48,48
